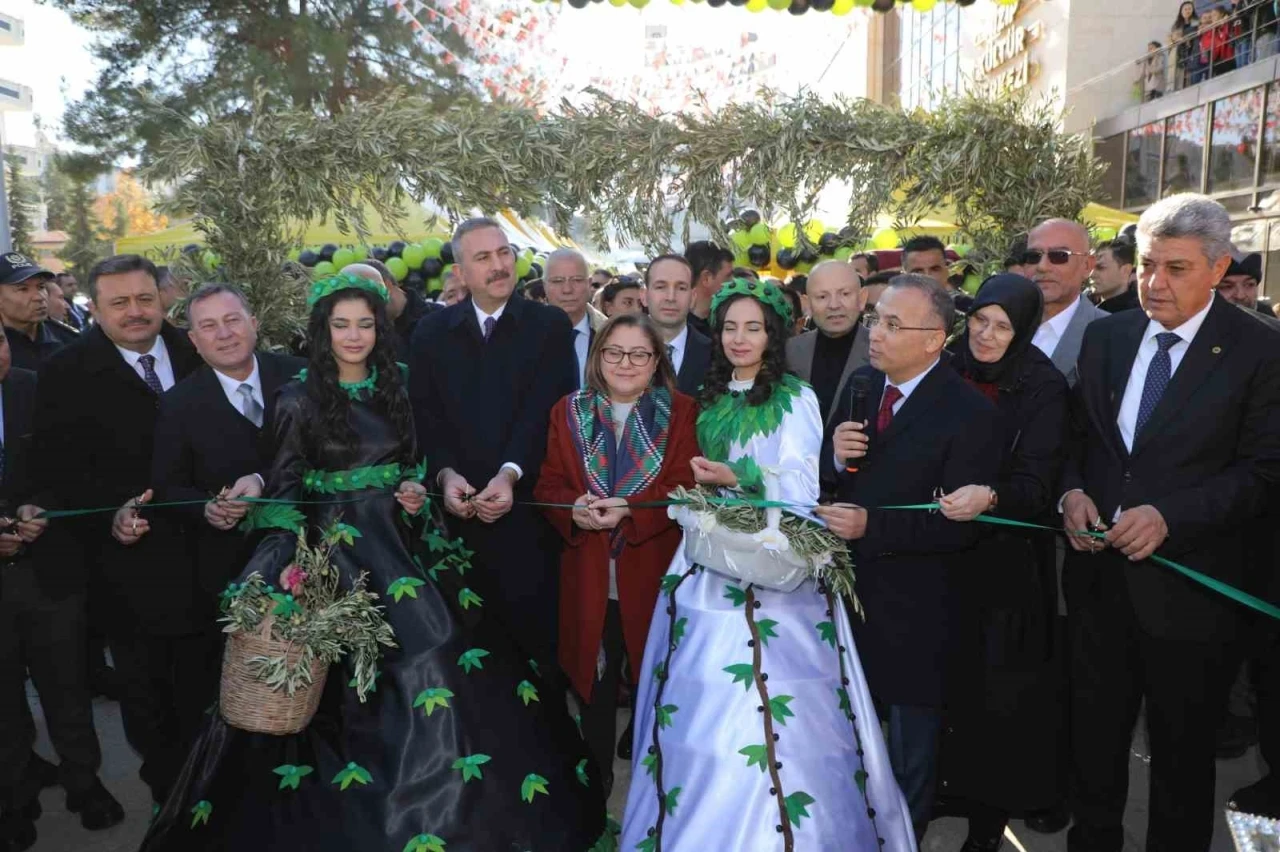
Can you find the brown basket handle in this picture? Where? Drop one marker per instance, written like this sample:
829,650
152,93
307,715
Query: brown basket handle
264,629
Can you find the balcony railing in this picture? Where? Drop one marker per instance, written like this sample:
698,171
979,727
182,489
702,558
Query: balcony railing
1188,58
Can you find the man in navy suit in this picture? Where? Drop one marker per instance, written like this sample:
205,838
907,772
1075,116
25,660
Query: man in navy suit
483,376
669,291
569,289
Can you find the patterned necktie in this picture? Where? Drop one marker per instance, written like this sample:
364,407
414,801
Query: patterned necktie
1157,379
671,354
249,406
885,415
489,323
149,376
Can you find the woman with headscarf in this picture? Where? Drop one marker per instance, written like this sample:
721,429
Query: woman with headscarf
1000,742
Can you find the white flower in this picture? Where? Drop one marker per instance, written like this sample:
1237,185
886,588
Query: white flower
673,512
707,522
824,560
772,539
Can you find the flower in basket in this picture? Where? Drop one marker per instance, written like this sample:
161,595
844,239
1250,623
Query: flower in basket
772,539
292,578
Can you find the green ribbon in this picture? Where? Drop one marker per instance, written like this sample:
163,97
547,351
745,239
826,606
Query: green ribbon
1205,580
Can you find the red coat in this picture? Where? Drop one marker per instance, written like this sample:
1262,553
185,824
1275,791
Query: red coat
651,538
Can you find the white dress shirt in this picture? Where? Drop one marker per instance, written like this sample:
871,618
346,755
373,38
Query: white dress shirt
162,366
1127,418
582,345
231,387
906,389
678,344
1050,332
481,316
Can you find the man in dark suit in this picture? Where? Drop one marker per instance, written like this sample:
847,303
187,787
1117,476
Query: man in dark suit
77,317
1059,261
95,421
921,428
1115,276
213,437
483,377
1239,284
1175,442
828,355
24,308
569,289
43,637
669,291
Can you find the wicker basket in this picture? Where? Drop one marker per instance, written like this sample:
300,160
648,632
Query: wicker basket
250,704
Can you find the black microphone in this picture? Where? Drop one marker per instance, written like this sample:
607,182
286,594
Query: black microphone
861,384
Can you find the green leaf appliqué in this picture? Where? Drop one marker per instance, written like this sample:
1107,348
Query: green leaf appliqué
526,692
581,772
741,672
755,755
778,708
425,843
827,630
404,586
291,776
470,766
765,626
673,799
430,699
796,804
664,715
352,773
468,598
200,813
735,594
532,785
472,659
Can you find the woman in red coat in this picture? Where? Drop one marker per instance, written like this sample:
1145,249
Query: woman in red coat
626,438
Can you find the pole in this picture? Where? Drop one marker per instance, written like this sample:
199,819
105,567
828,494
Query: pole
6,239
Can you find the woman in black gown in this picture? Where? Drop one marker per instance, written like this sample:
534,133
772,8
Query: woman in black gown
498,765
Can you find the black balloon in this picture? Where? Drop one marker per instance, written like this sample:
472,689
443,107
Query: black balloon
821,5
828,243
379,253
415,281
808,256
327,250
431,268
716,4
446,252
883,5
750,218
737,2
396,249
798,7
759,256
308,258
787,258
191,248
848,232
578,4
535,270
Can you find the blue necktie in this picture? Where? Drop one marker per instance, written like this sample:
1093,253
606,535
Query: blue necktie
1157,379
489,323
149,376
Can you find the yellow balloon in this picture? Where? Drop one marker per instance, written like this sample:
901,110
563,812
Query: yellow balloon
787,235
923,5
757,5
778,5
842,7
617,2
885,238
814,229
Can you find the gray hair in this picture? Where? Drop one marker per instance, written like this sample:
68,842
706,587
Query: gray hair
939,298
214,288
567,254
1188,214
466,226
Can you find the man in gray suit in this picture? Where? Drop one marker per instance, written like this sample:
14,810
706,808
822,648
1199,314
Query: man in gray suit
827,356
1059,260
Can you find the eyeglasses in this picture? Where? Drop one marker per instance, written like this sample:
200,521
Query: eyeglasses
892,325
1057,257
637,357
560,281
980,325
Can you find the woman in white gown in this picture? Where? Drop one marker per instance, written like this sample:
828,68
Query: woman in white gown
755,731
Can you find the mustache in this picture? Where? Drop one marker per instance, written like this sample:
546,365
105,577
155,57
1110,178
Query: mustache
497,276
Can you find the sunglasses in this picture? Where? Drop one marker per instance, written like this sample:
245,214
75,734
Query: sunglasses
1057,257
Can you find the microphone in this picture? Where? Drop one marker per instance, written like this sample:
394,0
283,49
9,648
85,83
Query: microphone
860,384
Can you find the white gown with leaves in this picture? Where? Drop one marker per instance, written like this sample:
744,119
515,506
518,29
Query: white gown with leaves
712,771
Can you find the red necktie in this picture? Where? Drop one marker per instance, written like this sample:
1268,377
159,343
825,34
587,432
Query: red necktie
891,395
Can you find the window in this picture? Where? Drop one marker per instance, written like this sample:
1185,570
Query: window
928,55
1234,141
1111,152
1184,151
1271,137
1143,166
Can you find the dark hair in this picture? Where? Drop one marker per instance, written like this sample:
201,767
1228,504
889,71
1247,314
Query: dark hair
939,298
922,243
880,278
1178,23
1122,251
664,375
873,262
772,368
213,288
705,256
745,272
1017,253
678,258
119,264
799,283
797,307
536,290
331,433
613,288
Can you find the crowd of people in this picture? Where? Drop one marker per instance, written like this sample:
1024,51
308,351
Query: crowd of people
1208,44
1126,395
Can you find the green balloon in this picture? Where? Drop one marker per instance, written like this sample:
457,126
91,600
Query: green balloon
432,246
740,239
399,269
523,265
361,253
435,285
759,234
325,268
779,5
343,257
294,254
414,255
844,252
210,260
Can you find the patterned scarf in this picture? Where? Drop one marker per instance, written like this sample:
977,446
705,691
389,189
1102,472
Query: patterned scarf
620,468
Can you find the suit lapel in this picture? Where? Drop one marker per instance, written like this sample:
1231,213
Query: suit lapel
807,347
1110,395
1203,354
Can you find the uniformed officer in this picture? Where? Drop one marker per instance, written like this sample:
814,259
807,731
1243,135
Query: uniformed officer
24,309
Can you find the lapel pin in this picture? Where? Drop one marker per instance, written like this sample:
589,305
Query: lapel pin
1217,350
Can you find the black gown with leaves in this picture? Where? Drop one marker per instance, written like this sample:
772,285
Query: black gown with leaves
460,747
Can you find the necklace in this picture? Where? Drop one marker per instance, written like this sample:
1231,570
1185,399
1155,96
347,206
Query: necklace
356,390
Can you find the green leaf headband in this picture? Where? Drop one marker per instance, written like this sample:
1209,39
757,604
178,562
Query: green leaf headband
761,291
331,284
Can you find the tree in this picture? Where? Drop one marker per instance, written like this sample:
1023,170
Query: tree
22,206
128,210
166,60
86,244
55,190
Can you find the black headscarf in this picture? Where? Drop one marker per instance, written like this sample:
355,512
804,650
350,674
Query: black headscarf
1022,301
